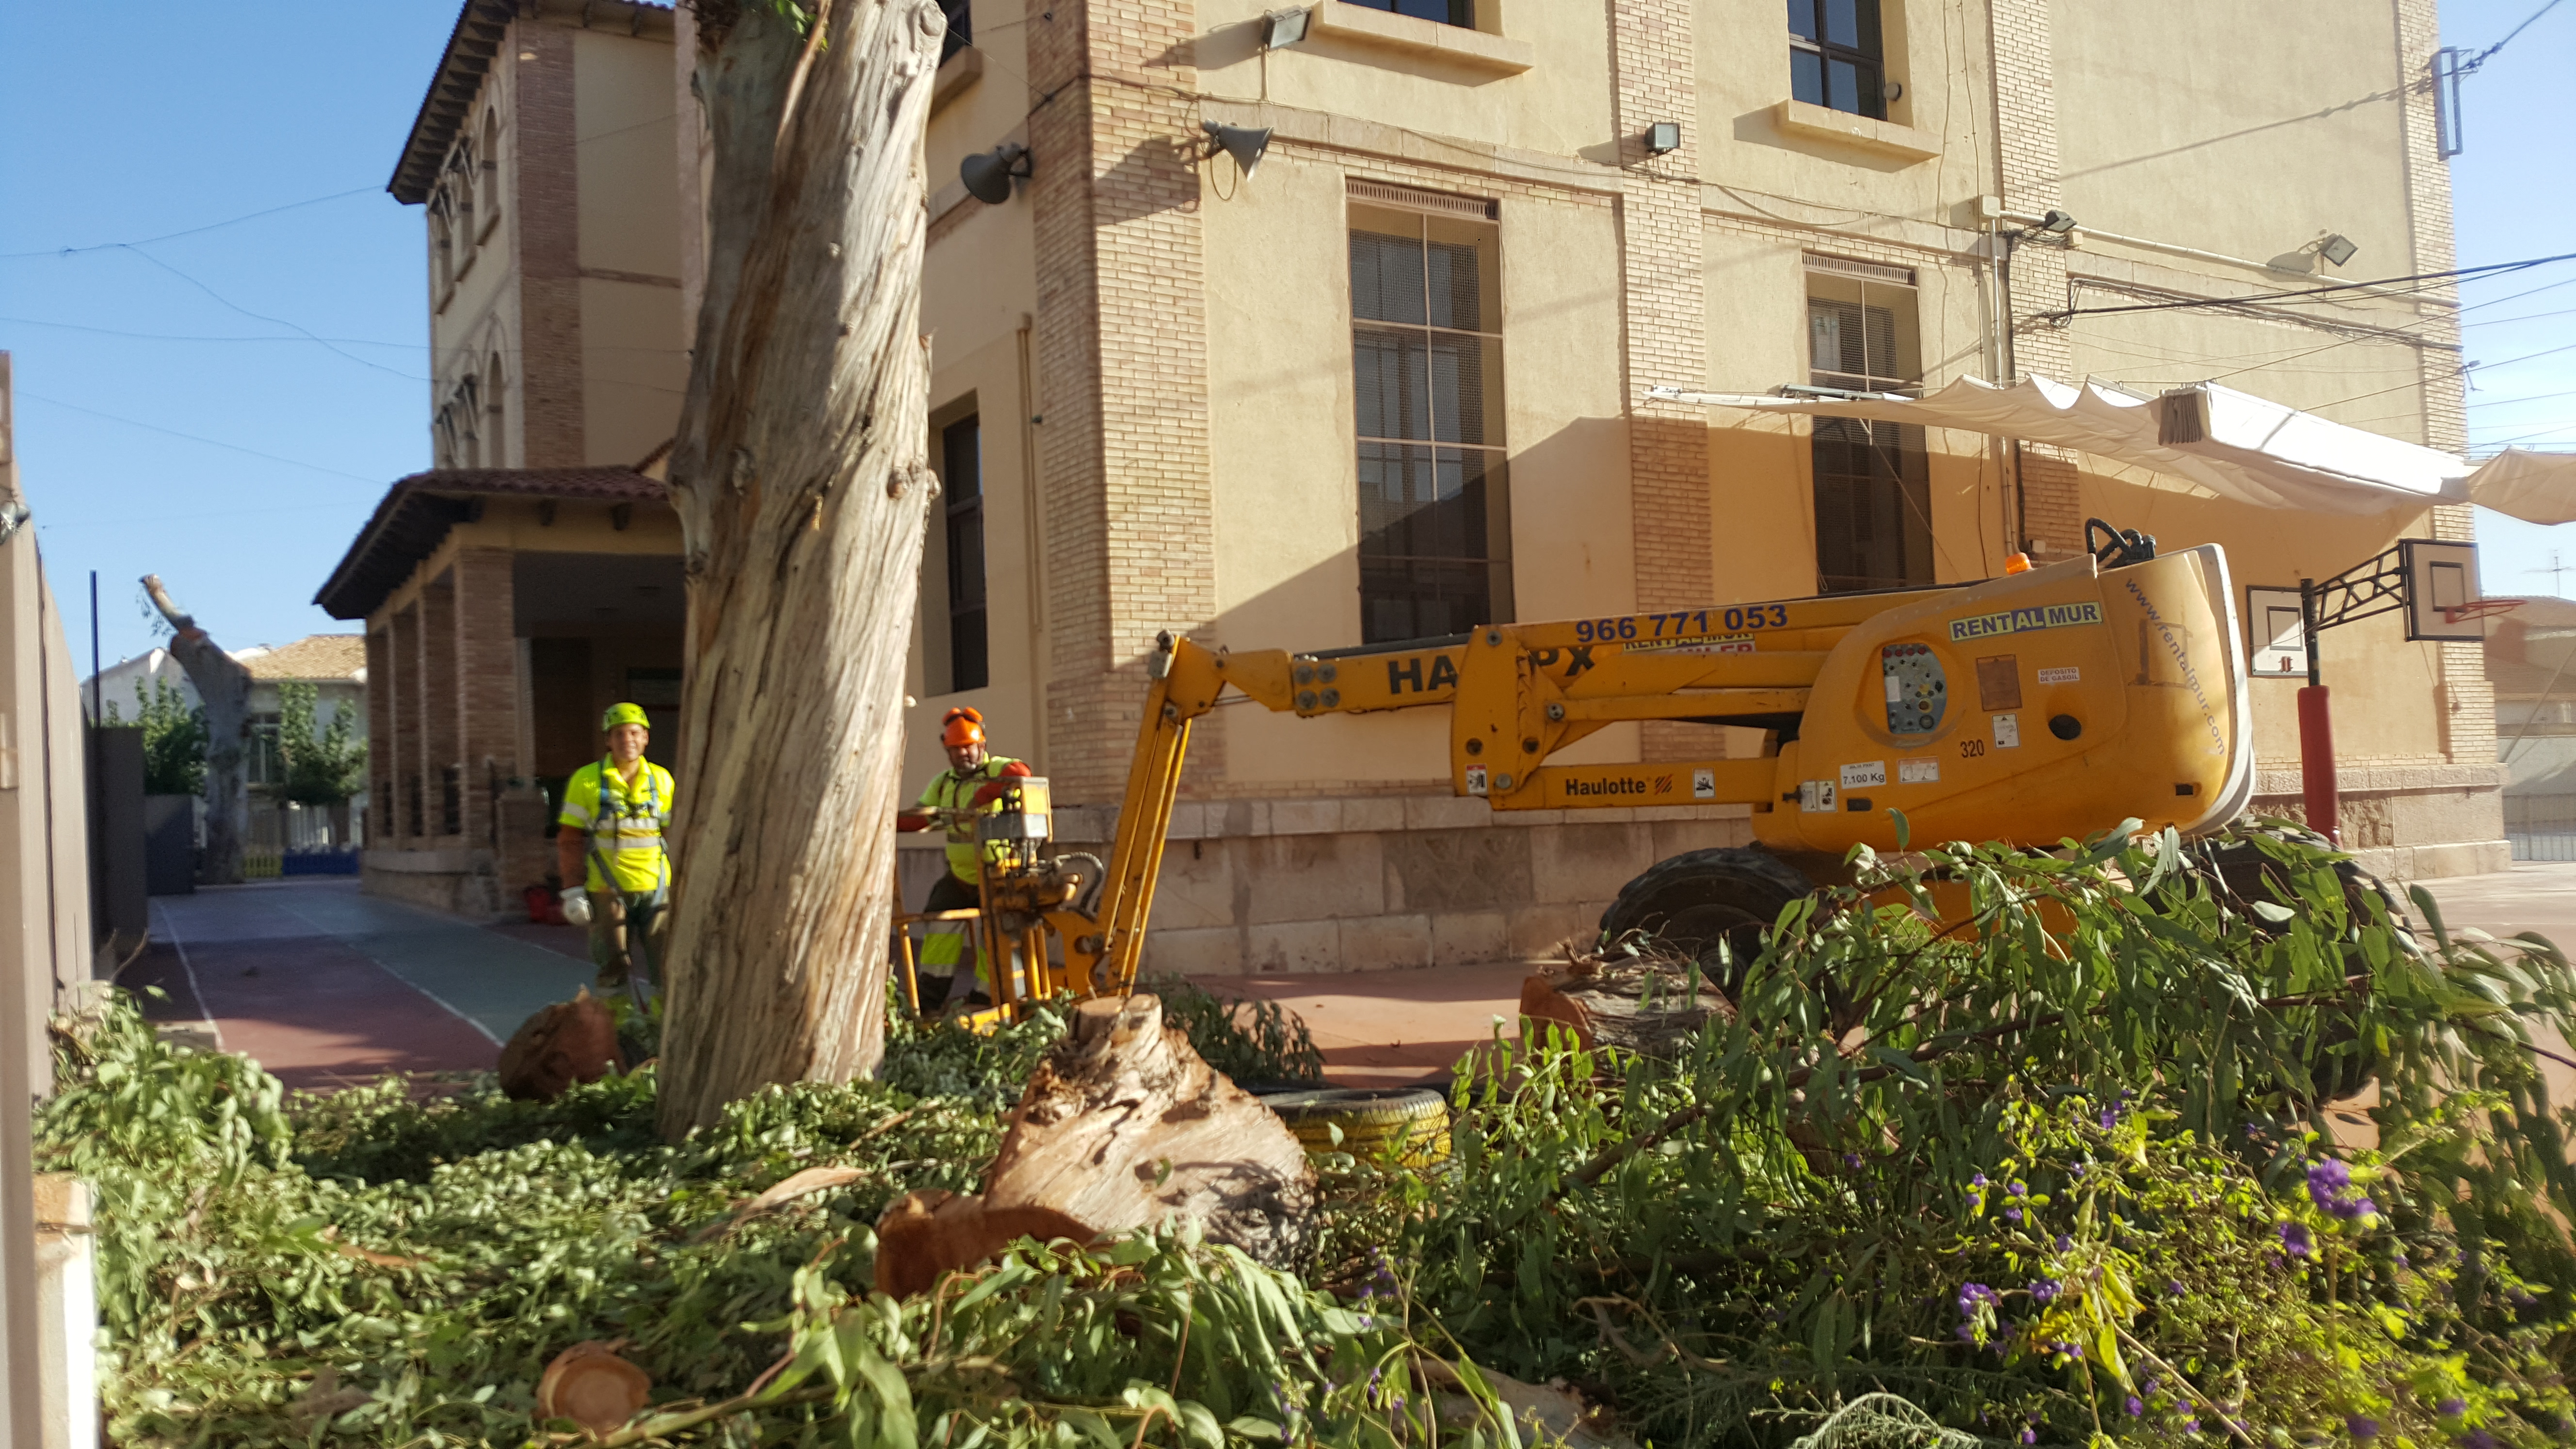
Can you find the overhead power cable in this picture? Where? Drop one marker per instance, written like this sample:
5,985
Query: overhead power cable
191,231
194,438
2304,293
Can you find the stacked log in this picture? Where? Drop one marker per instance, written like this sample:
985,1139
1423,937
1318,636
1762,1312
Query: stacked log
1122,1127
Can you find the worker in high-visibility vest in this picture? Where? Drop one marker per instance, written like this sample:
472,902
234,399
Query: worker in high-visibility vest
973,785
610,838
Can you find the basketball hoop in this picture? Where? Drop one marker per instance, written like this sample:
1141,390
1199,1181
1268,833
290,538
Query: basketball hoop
2478,609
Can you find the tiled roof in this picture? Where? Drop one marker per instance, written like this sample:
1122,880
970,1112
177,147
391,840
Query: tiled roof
417,512
315,658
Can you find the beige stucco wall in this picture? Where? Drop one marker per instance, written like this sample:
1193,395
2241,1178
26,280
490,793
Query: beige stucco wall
1937,51
1562,106
2242,129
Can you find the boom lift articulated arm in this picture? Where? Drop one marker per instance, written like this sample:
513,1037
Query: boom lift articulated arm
2046,704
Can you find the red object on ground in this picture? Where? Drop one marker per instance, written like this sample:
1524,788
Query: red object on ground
545,908
2317,763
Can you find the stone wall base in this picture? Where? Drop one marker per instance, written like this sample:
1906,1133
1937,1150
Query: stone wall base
2415,823
1386,883
461,882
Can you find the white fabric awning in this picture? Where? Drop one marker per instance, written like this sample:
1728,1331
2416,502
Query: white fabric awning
2212,441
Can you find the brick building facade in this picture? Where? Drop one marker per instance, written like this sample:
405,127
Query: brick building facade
1176,385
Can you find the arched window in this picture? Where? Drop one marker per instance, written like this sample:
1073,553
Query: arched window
487,170
461,182
496,437
442,241
468,409
442,435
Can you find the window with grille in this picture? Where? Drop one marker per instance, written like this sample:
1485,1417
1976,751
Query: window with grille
1427,361
1872,481
1835,58
961,454
961,27
1461,13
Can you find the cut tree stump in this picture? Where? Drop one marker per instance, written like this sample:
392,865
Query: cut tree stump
1644,1005
1121,1127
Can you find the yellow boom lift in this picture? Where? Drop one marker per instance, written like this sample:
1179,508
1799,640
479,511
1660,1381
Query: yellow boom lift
2048,703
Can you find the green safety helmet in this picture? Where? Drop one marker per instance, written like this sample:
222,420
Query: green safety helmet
619,714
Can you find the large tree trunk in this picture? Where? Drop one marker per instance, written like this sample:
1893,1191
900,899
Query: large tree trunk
223,691
800,477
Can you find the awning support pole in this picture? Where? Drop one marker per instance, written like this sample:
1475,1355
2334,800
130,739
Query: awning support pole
2316,731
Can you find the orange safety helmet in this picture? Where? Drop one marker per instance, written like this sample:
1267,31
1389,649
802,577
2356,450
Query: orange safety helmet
961,727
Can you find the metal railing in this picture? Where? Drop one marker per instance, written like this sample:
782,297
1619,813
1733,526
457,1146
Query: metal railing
2541,827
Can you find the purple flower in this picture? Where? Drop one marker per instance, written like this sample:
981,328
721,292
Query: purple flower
2133,1404
1977,1181
2477,1439
2330,1188
1851,1159
2019,1189
1972,1294
2045,1290
2110,1118
2451,1408
2327,1180
2295,1239
2030,1436
2191,1426
2361,1426
2064,1242
2012,1214
2173,1288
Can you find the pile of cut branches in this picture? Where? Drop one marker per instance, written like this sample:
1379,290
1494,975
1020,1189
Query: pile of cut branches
2049,1145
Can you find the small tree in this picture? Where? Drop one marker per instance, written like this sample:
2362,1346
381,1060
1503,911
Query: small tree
174,739
322,766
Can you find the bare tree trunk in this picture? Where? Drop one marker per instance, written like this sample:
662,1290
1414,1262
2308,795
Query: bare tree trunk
223,690
801,479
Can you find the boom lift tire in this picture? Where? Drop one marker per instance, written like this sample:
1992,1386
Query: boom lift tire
2241,875
1690,902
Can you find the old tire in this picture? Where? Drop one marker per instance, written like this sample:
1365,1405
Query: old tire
1408,1125
1690,903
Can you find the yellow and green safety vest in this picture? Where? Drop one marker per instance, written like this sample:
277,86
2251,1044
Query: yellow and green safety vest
955,790
624,820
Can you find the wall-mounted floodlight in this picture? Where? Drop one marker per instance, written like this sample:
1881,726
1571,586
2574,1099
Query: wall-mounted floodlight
2337,249
988,174
1284,27
2056,223
1663,138
1245,144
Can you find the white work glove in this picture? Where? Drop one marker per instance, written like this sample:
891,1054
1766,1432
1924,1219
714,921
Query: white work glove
576,906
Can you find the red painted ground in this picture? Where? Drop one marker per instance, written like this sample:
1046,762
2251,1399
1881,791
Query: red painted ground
313,1012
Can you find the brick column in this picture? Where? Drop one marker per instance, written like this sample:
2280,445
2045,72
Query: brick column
2052,515
545,212
438,691
487,695
1664,314
403,701
2465,699
1122,350
381,819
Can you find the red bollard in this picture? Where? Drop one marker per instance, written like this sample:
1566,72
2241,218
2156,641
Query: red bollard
2317,763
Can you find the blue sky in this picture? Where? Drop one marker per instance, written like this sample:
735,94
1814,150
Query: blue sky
176,416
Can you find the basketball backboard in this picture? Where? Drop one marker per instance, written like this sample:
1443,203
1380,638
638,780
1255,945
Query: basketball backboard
2276,642
2441,590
